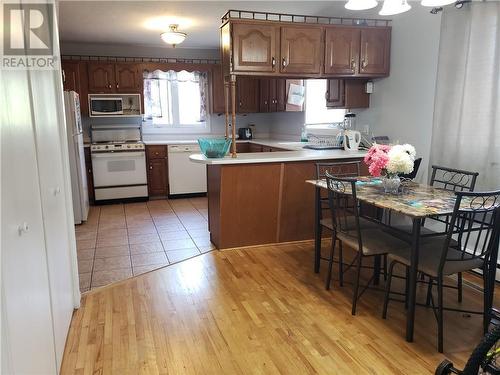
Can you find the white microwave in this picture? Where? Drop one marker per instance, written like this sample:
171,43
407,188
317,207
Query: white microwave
106,106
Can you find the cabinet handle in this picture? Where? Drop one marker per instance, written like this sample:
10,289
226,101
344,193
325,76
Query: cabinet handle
64,76
364,63
117,86
265,102
353,65
327,95
150,167
109,85
273,62
240,104
283,62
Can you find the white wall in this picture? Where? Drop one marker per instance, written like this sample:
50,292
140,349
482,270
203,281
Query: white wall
402,105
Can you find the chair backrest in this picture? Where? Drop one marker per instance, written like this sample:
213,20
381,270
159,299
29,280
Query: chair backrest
344,206
453,179
338,169
474,225
413,174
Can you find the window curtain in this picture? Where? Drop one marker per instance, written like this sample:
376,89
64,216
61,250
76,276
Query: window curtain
466,128
153,95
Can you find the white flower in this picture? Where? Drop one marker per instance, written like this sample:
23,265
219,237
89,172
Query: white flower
401,158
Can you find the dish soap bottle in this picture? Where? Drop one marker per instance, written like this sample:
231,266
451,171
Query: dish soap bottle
303,134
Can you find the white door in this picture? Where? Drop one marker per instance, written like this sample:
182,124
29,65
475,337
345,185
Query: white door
26,315
52,190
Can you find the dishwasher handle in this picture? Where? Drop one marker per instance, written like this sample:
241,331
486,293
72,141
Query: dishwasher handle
181,149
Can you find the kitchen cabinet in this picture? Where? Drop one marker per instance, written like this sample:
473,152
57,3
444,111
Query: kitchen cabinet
156,158
101,78
217,90
254,148
342,45
347,94
255,47
301,49
242,147
127,78
272,95
71,76
90,175
247,95
374,57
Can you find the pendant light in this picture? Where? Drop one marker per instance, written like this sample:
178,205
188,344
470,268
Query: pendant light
361,4
392,7
436,3
173,36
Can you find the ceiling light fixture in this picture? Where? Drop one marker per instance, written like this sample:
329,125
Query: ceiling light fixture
173,37
361,4
436,3
392,7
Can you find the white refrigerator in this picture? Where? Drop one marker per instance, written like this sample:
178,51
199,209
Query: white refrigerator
76,156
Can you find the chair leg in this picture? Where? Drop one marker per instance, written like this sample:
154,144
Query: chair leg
356,284
330,263
440,313
388,289
341,264
385,267
429,291
459,287
486,312
407,285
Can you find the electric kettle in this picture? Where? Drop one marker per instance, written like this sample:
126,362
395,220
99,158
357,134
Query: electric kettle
352,138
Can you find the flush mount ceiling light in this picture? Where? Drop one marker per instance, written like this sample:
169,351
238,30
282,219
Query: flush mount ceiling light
436,3
392,7
361,4
173,37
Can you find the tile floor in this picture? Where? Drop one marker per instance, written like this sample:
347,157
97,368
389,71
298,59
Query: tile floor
123,240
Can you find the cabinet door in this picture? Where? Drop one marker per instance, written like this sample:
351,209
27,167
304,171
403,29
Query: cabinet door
71,76
217,90
335,93
248,95
157,177
375,51
101,78
255,148
264,99
342,50
254,47
273,95
301,49
281,95
355,94
127,78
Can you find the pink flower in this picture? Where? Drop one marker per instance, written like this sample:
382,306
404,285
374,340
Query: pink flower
377,159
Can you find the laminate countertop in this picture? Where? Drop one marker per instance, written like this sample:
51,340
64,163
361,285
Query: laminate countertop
294,152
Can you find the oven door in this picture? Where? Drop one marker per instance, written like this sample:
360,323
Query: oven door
115,169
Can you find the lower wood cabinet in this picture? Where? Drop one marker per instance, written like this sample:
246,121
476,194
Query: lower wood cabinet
90,175
157,167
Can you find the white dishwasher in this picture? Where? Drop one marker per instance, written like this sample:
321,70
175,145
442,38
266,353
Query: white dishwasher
184,176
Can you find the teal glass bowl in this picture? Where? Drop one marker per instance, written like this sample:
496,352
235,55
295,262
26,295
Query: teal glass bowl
214,148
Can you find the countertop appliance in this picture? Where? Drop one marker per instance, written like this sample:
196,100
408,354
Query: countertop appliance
76,156
102,106
118,162
184,176
245,133
352,139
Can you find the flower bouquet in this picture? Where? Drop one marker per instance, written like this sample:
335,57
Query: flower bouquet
390,162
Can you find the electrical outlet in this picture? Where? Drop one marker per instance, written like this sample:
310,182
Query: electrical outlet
366,129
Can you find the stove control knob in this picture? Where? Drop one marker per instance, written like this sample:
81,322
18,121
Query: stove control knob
106,146
128,146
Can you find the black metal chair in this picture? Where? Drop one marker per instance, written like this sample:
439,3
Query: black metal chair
473,234
351,228
413,174
452,180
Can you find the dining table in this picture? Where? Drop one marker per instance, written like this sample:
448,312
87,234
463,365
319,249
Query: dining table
415,201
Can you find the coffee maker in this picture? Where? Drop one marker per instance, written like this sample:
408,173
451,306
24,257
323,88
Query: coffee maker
245,133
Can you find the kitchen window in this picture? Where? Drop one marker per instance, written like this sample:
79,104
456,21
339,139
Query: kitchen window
175,102
317,113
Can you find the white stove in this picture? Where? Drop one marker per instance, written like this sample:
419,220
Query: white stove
117,146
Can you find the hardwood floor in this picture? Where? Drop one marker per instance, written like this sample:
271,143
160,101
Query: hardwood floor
255,311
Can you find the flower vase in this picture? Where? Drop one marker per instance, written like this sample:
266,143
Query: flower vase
391,184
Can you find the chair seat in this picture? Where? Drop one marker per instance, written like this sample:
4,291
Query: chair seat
363,223
430,256
375,241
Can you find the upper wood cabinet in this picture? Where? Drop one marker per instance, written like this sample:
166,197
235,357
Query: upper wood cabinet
248,95
127,78
301,49
101,78
342,50
272,95
71,76
335,93
217,90
349,93
254,47
375,51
